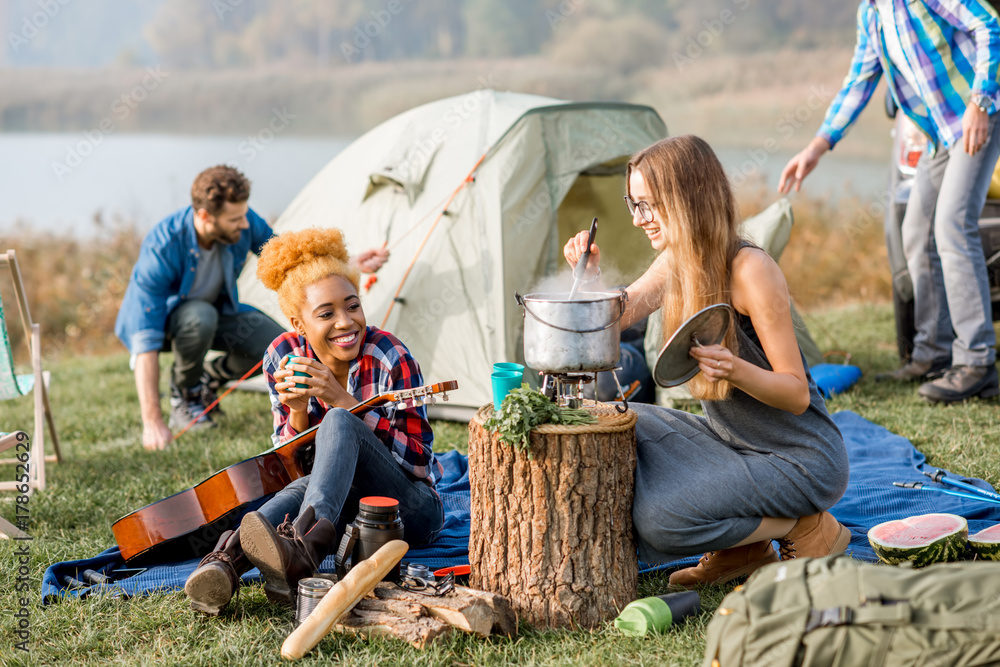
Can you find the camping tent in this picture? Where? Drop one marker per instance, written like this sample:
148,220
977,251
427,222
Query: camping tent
475,196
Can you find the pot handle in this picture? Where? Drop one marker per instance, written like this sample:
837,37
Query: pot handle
623,408
623,298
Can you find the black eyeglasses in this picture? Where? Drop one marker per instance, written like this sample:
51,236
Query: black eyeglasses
645,210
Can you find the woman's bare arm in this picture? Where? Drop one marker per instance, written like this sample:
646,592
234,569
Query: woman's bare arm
760,291
645,295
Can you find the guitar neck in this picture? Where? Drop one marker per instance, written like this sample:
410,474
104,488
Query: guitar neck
184,525
406,398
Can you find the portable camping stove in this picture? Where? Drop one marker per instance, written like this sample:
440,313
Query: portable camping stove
566,389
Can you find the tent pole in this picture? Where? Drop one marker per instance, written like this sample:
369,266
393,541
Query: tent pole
406,274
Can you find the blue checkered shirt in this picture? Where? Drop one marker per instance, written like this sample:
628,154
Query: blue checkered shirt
383,364
952,49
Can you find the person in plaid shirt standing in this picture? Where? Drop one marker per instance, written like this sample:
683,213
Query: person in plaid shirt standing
385,452
941,59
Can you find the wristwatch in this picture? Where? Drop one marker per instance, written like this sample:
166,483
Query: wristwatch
983,102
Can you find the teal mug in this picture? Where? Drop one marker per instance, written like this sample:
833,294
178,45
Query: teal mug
508,366
290,359
503,382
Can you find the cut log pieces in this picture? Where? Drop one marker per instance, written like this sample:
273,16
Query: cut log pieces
504,616
418,619
408,610
417,632
462,611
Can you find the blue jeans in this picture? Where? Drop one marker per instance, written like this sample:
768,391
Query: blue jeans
196,327
352,463
944,254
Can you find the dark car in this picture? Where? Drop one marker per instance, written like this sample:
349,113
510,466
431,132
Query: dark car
908,146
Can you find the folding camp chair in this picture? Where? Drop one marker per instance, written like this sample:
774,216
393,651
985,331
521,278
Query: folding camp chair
13,385
9,441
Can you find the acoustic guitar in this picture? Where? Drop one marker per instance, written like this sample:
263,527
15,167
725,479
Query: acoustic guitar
188,524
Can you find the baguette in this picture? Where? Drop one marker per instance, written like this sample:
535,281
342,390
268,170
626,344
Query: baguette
360,581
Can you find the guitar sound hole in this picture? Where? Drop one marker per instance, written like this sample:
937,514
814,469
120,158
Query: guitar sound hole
305,456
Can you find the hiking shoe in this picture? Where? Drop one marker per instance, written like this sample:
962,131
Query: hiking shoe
209,396
176,398
186,406
718,567
916,371
286,554
212,585
961,383
814,536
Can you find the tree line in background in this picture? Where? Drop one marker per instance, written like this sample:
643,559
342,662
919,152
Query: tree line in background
227,33
624,34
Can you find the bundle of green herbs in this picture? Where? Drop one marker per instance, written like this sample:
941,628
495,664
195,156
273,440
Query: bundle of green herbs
525,408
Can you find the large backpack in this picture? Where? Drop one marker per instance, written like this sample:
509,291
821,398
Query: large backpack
838,612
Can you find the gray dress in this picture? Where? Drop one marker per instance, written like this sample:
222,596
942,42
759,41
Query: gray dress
704,483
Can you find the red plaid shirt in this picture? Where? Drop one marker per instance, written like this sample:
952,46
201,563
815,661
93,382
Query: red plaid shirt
383,364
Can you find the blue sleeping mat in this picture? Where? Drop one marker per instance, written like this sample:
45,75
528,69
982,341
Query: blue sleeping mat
877,459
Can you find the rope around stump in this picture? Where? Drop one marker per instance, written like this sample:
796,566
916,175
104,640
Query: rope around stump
609,420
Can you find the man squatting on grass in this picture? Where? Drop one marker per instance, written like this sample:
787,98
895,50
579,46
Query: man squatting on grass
941,58
182,297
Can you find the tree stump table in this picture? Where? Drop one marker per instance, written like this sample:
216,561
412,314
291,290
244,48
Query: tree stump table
552,525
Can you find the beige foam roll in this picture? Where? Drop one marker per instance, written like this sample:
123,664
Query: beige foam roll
360,581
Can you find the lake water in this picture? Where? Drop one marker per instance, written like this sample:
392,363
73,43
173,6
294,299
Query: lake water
59,181
142,177
836,175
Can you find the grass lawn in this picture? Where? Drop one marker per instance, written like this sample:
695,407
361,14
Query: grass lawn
107,474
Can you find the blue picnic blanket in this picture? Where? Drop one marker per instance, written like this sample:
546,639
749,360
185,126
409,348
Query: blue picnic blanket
877,459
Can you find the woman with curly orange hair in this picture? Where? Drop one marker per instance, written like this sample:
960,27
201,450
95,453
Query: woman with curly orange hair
387,452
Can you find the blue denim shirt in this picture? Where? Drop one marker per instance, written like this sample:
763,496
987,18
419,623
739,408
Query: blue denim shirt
165,271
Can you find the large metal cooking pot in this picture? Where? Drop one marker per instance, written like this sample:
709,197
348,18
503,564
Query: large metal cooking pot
578,336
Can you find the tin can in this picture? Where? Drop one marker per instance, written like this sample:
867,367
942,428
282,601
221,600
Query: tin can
311,591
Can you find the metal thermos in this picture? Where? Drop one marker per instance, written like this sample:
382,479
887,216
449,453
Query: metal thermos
658,614
376,524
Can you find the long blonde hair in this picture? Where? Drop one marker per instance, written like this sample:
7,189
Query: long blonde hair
294,260
692,195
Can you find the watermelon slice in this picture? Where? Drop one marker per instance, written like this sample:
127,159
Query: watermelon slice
922,540
986,543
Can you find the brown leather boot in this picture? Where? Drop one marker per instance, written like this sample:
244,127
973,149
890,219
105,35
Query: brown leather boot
718,567
212,584
285,554
814,536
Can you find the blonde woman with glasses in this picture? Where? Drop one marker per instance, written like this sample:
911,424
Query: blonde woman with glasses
765,461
